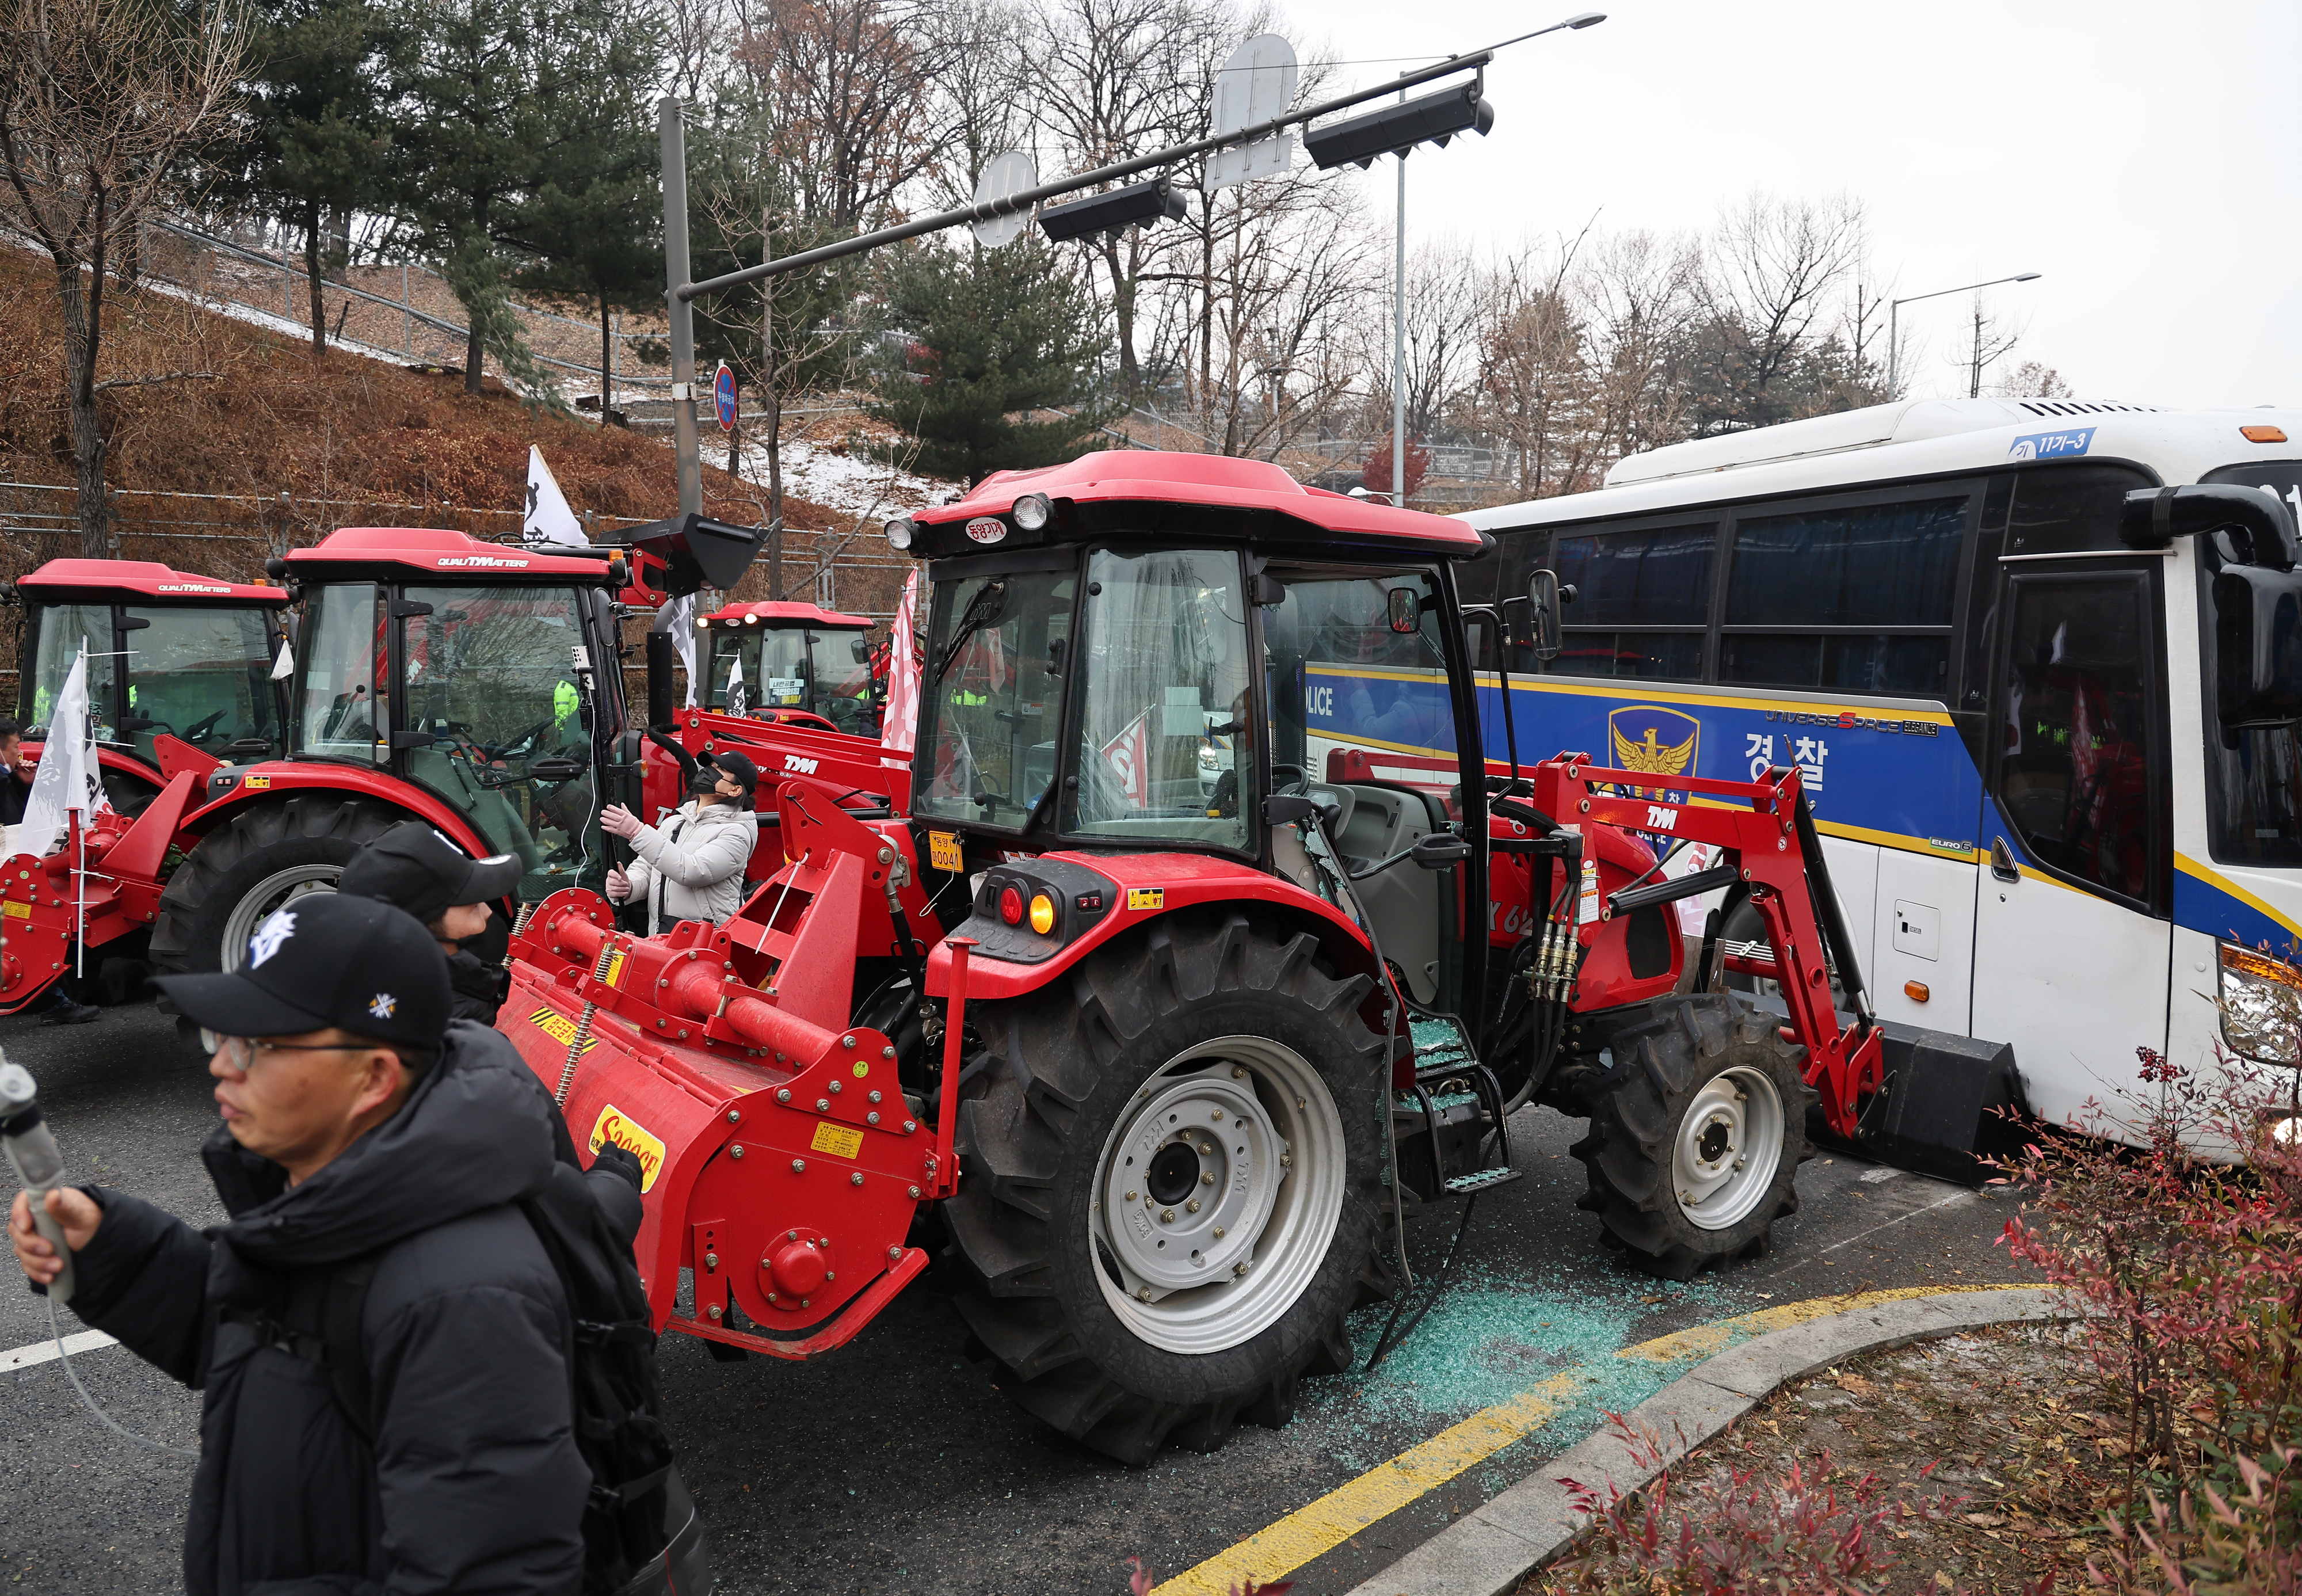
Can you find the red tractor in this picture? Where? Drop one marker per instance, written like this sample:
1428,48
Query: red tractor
433,676
180,668
1165,1060
792,664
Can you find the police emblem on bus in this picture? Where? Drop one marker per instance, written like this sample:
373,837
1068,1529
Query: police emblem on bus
1647,737
986,529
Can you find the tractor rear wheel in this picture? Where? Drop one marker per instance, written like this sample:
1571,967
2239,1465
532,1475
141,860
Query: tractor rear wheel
1696,1133
1171,1164
265,856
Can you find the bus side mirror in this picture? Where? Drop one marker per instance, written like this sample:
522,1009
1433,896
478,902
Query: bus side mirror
1543,599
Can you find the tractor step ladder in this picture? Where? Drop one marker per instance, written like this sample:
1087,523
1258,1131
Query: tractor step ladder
1443,1058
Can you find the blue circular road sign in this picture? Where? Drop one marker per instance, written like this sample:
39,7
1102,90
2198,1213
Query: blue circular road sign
723,397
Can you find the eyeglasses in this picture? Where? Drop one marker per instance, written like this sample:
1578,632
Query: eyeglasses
242,1050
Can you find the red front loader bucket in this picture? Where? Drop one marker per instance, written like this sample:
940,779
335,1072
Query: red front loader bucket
41,900
783,1165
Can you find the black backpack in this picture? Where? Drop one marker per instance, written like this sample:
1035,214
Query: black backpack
641,1534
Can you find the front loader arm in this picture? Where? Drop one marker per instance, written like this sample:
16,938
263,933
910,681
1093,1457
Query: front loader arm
1767,836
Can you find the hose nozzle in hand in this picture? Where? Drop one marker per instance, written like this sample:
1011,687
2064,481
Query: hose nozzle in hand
38,1166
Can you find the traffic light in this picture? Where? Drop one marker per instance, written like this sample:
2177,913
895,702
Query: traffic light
1137,205
1394,130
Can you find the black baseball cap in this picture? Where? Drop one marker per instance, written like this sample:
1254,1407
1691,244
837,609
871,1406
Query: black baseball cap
326,959
738,767
412,867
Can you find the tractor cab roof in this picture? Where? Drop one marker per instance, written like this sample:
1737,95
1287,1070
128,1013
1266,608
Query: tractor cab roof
394,553
136,582
767,613
1164,494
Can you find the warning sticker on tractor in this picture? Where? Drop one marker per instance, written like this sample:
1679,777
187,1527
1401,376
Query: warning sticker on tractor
560,1029
16,911
838,1140
943,851
612,1130
1146,897
1586,903
615,968
256,783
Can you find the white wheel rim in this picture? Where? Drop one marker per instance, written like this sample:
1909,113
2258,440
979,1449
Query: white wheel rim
1727,1148
275,891
1245,1128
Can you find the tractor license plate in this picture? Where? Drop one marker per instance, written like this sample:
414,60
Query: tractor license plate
943,851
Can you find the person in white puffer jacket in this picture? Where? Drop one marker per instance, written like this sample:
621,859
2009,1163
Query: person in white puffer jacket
692,866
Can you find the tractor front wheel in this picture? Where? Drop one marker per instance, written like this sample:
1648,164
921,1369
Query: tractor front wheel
260,860
1696,1133
1172,1163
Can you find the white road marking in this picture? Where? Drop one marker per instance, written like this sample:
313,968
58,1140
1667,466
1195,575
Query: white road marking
45,1351
1955,1196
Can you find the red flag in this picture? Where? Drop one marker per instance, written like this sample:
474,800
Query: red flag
1129,755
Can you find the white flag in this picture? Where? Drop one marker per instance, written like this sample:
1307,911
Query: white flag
68,781
549,519
285,666
899,723
678,619
735,700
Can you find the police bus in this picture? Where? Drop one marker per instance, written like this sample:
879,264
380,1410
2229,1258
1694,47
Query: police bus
2048,729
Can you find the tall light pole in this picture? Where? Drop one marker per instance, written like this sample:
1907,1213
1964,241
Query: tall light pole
1398,286
1895,349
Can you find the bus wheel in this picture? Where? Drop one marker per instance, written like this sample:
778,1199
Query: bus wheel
1172,1163
265,856
1696,1134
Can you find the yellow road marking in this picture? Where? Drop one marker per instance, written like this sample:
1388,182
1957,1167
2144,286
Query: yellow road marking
1311,1532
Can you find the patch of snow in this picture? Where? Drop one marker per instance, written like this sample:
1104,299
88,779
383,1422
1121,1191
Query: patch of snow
850,484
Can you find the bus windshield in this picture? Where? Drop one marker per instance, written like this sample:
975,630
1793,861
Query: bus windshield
2254,774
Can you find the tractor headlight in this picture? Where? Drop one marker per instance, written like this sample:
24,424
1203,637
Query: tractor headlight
2261,1005
900,532
1031,511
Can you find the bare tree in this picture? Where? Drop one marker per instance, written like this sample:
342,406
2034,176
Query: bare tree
1992,340
982,87
696,38
105,106
2034,379
1775,268
845,85
1118,78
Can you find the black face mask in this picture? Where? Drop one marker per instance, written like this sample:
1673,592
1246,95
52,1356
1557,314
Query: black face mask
705,783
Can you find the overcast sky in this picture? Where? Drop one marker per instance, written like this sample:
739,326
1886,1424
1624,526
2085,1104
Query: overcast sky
2145,159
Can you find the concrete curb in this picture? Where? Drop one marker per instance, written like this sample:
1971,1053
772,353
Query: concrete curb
1488,1551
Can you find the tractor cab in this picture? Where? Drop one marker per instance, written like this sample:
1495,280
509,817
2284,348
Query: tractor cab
1141,652
474,671
179,668
795,663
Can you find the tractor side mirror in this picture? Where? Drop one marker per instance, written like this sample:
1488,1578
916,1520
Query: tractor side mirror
860,650
1543,601
1406,610
1441,851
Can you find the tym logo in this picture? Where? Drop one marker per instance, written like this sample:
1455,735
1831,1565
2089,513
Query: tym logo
805,767
1319,700
1659,818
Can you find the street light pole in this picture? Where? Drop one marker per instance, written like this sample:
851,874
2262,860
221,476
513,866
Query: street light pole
1398,285
1893,310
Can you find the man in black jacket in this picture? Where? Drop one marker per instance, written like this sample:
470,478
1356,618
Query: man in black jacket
414,868
365,1138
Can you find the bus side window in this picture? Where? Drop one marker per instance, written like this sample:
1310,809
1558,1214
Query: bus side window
2075,728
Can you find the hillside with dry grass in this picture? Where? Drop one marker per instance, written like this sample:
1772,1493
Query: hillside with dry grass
248,415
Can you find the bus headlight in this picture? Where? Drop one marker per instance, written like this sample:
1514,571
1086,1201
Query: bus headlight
2261,1005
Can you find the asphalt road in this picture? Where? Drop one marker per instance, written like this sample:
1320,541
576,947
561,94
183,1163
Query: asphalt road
894,1465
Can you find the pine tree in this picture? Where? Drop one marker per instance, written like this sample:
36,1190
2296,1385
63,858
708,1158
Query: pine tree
1000,368
318,127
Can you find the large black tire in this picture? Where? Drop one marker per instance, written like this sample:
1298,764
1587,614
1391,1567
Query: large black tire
243,869
1687,1168
1108,1049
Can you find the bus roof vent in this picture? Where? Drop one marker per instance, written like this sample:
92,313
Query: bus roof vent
2041,406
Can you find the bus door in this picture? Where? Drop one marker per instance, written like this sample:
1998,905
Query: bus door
2073,927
